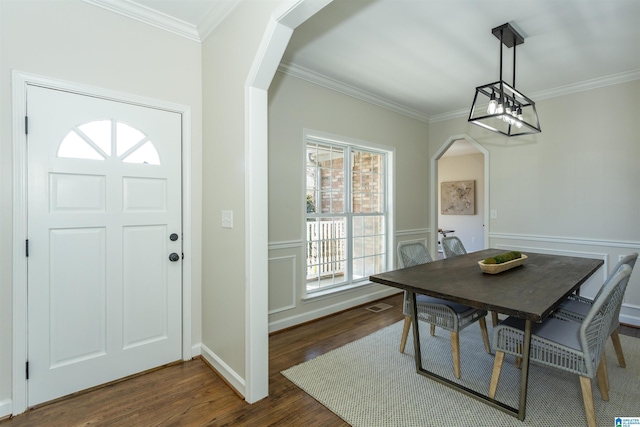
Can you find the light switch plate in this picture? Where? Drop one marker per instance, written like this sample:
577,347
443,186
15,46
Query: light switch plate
227,219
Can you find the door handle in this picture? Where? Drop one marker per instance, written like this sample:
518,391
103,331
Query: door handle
174,257
173,237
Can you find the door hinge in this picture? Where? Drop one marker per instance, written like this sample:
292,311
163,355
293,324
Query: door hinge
26,125
27,247
27,369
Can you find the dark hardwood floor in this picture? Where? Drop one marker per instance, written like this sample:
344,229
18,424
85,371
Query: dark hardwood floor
192,394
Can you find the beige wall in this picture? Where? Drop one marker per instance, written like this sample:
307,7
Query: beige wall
88,45
295,105
227,56
468,228
573,187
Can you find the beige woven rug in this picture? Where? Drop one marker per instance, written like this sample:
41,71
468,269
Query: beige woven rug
369,383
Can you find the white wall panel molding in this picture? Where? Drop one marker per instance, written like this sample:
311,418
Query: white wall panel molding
232,377
331,309
567,240
282,276
630,314
401,233
285,244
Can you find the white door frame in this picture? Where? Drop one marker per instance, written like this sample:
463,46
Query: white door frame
20,82
433,241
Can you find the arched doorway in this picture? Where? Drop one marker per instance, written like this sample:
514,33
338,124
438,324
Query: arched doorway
482,197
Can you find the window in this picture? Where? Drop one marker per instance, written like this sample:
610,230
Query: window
99,139
346,201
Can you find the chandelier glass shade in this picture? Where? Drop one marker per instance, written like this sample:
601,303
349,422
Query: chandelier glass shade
498,106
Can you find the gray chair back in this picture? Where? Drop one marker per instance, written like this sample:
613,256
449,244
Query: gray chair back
412,253
596,326
452,246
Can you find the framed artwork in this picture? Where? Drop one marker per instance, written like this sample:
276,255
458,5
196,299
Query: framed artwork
458,198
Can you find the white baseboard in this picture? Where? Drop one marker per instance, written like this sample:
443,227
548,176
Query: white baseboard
331,309
232,377
630,315
5,408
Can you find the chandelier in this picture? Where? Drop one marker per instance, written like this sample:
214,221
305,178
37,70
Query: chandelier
498,106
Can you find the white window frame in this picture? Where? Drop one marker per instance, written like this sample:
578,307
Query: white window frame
346,142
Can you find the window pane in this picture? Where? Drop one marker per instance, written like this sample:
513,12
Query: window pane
374,225
367,174
328,261
373,265
358,226
126,137
73,146
99,132
358,247
358,269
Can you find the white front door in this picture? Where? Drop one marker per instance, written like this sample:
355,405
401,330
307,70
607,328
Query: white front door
104,218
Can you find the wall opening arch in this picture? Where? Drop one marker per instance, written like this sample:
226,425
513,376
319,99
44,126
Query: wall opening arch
433,187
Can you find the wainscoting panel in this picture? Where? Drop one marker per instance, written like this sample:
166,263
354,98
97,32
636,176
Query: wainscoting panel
282,283
607,250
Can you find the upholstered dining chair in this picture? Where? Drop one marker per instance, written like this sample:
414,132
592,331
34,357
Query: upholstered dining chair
576,308
452,246
569,346
438,312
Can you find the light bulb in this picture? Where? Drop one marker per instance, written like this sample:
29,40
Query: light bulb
493,104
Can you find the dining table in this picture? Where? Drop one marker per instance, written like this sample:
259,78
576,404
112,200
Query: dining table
530,291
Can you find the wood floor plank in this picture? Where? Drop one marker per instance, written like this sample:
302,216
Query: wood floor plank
192,394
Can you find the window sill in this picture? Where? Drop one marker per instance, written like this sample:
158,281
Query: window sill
327,293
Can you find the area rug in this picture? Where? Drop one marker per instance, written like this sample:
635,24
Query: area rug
369,383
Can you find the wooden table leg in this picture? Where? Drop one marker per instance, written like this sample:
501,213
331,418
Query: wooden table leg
416,333
526,348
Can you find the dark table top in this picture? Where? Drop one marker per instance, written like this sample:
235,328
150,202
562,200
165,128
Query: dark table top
530,291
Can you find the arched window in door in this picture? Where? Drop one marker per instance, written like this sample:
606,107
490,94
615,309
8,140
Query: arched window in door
100,139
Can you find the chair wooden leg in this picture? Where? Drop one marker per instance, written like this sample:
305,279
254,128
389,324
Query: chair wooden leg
587,397
615,338
603,378
405,333
433,330
485,334
455,353
494,319
495,375
518,358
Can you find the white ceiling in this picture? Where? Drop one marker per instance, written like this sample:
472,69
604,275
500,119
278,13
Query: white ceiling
425,57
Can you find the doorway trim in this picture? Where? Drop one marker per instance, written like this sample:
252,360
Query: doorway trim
433,241
274,41
20,83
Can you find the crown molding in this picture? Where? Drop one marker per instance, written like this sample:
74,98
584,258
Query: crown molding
220,10
329,83
612,79
149,16
209,22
